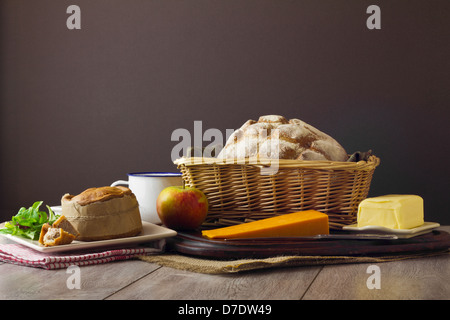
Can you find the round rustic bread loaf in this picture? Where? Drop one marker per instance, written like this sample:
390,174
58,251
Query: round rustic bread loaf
103,213
275,137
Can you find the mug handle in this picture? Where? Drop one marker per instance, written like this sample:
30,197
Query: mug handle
119,182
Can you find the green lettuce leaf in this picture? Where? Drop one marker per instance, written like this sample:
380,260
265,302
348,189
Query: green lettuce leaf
28,223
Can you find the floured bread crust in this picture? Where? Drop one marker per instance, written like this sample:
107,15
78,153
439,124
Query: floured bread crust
103,213
275,137
98,194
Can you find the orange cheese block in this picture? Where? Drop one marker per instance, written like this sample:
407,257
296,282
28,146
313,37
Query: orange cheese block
297,224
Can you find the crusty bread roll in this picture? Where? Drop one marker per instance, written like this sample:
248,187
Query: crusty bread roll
297,140
103,213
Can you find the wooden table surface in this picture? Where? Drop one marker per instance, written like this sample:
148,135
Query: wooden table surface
419,279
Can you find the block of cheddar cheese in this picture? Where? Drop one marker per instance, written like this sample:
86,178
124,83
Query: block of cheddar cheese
302,223
391,211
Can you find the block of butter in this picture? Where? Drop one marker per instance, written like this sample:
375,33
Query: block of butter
395,211
302,223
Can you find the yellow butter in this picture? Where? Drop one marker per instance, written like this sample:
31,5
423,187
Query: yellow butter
393,211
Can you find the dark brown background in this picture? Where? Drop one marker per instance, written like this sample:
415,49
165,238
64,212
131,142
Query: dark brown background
81,108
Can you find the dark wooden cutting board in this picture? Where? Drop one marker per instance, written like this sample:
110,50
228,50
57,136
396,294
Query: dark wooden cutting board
195,245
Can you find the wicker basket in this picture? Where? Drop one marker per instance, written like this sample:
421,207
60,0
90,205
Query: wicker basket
237,191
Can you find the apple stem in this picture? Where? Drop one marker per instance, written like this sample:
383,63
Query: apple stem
184,184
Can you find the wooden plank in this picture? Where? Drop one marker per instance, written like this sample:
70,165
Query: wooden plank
425,278
422,278
97,281
171,284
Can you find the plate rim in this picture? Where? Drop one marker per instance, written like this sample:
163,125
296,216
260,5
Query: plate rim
425,226
86,245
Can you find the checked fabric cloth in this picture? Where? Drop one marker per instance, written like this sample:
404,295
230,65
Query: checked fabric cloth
21,255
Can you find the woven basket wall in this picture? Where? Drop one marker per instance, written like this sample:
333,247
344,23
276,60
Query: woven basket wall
237,191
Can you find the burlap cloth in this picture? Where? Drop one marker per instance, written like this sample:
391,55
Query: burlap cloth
210,266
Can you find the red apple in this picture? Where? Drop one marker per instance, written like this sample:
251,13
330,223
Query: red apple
182,208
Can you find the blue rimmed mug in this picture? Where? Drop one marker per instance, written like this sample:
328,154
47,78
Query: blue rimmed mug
147,186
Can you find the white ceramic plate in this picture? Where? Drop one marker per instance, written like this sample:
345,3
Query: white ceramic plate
150,232
400,233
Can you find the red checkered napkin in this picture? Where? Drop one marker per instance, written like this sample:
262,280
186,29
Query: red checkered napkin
24,256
